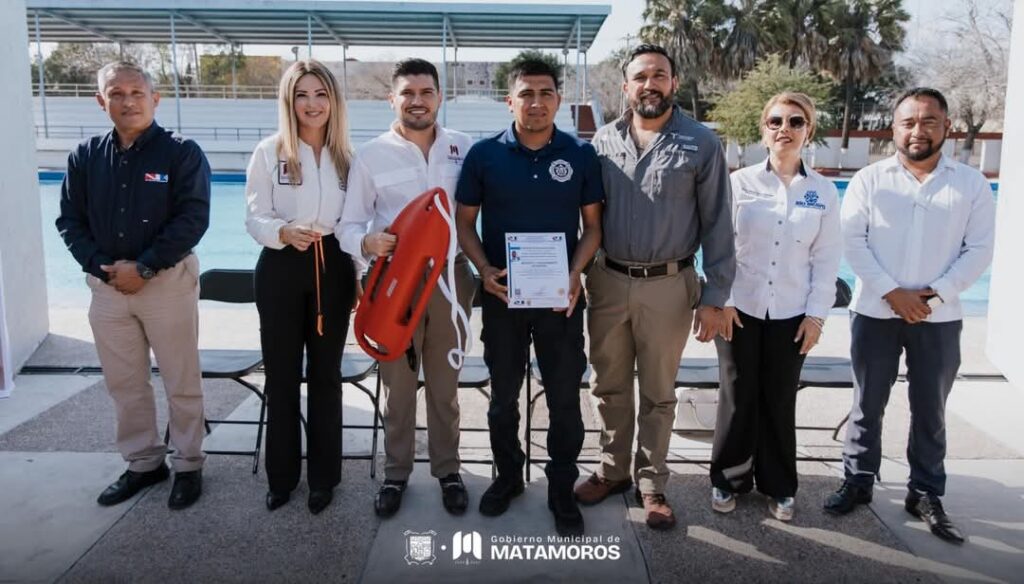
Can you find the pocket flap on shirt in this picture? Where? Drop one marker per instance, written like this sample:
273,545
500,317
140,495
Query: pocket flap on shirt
394,177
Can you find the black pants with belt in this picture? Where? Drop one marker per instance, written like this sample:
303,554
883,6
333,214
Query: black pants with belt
558,343
286,299
755,434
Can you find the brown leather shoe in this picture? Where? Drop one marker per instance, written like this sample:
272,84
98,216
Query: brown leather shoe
657,511
596,489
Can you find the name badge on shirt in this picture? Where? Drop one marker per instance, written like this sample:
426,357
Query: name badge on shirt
283,178
154,177
810,201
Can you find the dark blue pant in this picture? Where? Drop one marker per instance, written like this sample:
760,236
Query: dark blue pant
933,358
558,344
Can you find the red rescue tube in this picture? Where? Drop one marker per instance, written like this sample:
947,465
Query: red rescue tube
396,293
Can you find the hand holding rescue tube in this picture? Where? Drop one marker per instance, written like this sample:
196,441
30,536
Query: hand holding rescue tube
396,293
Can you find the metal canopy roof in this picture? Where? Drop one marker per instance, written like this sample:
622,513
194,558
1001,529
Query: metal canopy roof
321,22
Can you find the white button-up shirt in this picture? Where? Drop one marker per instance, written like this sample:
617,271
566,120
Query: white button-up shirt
273,202
788,243
388,172
901,233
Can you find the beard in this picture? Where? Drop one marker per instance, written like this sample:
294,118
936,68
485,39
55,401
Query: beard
418,123
651,110
920,155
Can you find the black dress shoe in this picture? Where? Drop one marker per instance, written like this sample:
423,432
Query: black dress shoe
275,500
186,489
928,508
497,497
131,482
389,498
563,505
453,494
319,500
846,498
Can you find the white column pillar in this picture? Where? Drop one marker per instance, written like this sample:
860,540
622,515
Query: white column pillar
309,36
42,78
24,271
1005,318
444,71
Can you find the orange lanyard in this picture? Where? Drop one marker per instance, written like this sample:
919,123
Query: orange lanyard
319,264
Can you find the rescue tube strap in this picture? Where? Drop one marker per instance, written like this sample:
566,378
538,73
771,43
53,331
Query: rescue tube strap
319,264
456,356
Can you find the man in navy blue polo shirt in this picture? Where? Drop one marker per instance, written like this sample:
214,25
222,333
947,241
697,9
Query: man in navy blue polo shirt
532,178
134,203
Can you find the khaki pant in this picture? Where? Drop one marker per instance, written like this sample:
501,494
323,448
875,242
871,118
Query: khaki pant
434,337
644,322
163,315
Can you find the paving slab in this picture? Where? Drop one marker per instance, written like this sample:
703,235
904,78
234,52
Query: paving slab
49,510
35,394
424,543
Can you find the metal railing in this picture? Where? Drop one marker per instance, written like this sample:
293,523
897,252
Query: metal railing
257,91
201,133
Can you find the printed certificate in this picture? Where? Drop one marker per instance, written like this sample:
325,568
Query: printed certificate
538,270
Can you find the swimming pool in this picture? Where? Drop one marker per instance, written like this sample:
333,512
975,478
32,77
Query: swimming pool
227,245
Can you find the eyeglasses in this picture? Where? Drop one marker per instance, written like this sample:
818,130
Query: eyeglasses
795,122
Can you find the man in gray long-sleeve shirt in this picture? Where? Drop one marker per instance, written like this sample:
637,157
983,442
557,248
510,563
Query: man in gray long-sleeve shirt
667,188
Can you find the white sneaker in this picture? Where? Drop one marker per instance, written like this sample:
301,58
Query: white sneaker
782,509
722,501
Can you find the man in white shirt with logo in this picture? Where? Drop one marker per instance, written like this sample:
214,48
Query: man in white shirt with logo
388,172
919,230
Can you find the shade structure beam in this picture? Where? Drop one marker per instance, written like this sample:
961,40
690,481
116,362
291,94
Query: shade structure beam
80,25
204,27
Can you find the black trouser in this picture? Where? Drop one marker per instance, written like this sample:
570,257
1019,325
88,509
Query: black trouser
755,434
933,359
286,300
558,343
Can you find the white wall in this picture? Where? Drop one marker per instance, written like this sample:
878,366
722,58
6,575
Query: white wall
1005,312
21,240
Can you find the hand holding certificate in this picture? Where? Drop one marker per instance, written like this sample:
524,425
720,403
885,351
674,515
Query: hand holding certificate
538,270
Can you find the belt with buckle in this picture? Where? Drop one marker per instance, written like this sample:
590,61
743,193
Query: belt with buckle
649,271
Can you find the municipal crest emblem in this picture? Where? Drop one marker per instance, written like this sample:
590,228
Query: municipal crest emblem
419,548
560,170
811,198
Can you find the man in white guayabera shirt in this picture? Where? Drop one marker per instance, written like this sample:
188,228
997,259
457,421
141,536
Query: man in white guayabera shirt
919,230
388,172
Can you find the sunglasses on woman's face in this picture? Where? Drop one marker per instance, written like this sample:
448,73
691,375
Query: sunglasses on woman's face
795,122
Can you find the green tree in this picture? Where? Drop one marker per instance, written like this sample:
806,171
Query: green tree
744,38
738,112
686,28
795,30
502,71
862,37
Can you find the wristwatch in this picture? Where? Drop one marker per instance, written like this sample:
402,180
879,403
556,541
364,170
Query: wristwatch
145,272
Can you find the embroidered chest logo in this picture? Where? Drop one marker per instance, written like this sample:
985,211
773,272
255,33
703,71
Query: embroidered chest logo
560,170
453,150
810,201
154,177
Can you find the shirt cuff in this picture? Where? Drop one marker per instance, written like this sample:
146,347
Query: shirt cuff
272,234
713,297
945,289
817,311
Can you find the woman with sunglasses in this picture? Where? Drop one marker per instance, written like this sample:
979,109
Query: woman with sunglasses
788,246
305,284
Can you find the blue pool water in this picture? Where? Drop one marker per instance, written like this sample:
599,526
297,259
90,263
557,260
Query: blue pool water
227,245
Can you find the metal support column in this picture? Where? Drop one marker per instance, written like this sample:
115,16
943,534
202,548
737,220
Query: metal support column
174,69
309,36
344,70
234,73
578,49
42,78
444,70
455,74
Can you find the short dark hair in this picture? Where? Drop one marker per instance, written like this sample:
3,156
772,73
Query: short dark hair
528,67
414,66
923,92
647,48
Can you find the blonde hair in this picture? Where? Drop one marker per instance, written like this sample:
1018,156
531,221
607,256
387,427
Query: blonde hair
800,100
336,141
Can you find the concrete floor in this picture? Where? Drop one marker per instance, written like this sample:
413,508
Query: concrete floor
57,454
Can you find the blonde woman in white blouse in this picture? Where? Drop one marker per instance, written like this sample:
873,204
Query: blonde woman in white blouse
305,285
788,247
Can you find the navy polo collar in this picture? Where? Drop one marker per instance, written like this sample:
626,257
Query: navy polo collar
143,138
558,141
